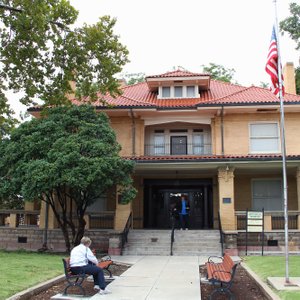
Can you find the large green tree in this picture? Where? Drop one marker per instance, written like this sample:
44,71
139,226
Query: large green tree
291,25
219,72
68,158
42,51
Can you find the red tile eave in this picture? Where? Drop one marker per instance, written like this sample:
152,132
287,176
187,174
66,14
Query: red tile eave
211,157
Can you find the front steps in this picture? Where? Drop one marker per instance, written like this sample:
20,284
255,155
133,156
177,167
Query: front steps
187,242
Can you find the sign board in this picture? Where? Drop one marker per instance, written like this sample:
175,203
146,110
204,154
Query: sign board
255,223
255,228
255,215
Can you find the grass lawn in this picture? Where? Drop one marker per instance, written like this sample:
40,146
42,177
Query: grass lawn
274,266
21,270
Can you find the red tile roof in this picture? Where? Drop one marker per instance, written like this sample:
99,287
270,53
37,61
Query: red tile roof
219,93
178,73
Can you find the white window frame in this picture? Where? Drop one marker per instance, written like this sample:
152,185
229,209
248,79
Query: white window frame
172,92
266,179
200,146
194,93
159,149
164,87
252,138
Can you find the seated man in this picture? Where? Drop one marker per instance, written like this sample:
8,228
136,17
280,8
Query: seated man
82,260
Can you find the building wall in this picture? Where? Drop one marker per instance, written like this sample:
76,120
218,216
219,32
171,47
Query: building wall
123,127
31,239
236,132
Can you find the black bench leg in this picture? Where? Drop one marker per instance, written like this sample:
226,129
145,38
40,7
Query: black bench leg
80,287
223,291
109,272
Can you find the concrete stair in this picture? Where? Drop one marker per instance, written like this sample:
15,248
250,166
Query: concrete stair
187,242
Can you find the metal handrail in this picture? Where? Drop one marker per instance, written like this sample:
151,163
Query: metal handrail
221,233
197,149
124,234
172,233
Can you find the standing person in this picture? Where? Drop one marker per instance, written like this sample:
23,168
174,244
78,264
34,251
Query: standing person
184,210
82,260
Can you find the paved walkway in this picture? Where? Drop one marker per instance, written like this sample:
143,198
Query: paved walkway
154,278
157,277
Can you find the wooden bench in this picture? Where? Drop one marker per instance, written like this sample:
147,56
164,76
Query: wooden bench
220,272
77,280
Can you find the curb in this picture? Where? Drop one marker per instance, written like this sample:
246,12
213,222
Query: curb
268,292
26,294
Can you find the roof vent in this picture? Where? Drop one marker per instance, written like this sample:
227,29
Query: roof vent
266,109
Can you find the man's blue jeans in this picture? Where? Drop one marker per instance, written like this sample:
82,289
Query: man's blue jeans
94,270
184,221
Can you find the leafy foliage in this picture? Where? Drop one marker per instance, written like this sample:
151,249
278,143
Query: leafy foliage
68,158
42,51
297,76
7,120
291,24
134,78
219,72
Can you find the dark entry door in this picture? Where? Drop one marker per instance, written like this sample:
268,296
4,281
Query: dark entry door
178,145
162,200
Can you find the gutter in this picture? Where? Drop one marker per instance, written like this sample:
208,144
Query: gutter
222,130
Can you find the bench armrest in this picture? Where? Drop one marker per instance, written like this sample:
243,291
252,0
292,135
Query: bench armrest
105,258
211,261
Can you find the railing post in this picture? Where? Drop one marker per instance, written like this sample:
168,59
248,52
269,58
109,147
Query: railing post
268,223
13,220
87,221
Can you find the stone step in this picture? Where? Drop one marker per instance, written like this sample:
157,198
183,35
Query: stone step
187,242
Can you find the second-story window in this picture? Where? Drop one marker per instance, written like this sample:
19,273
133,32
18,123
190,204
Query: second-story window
178,91
264,138
198,143
190,91
159,144
166,92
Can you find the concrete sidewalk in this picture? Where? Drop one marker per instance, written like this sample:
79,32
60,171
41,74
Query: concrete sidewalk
157,277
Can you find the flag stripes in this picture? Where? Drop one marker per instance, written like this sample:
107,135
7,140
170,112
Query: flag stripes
272,65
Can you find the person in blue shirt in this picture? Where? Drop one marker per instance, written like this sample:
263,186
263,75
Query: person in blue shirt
183,209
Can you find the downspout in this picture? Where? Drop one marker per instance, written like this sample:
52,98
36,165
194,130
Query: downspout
222,130
132,132
45,233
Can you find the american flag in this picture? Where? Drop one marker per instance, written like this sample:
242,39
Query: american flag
272,65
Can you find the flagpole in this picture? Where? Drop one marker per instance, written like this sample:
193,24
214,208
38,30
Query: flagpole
283,151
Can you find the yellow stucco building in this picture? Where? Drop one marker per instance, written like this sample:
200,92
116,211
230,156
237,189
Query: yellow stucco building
216,143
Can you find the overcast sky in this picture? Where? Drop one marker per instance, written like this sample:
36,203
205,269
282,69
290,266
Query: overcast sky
163,34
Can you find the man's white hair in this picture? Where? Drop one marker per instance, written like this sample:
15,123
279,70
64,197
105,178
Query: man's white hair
86,241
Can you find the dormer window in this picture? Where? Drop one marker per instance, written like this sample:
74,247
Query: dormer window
178,91
190,91
166,92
